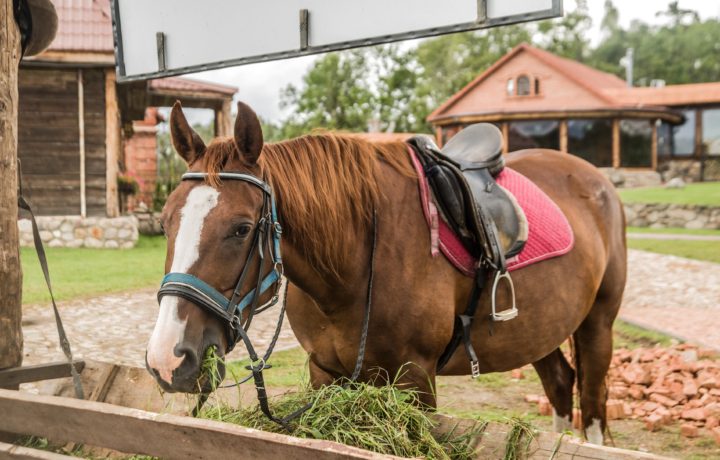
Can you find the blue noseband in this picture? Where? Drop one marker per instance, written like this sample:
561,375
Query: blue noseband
267,236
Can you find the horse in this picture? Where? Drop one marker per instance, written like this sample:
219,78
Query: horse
350,209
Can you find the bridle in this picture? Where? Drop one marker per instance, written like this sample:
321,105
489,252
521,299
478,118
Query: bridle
268,232
266,238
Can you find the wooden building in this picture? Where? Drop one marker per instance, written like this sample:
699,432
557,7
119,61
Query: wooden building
75,120
541,100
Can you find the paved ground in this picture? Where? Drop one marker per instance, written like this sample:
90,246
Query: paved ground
667,293
116,328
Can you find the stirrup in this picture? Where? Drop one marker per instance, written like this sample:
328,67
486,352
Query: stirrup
507,314
475,369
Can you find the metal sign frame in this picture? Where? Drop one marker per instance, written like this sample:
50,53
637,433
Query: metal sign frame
482,22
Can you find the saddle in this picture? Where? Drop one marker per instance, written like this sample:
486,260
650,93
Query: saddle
488,220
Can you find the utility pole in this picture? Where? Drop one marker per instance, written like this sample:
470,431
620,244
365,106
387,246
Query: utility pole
11,341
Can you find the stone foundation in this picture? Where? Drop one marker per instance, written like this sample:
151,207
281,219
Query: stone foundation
76,232
148,222
629,178
672,215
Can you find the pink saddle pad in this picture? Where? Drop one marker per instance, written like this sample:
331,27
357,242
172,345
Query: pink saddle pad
550,234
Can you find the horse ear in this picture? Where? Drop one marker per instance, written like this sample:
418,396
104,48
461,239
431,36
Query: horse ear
248,133
186,141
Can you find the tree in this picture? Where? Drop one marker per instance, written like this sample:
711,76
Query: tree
567,36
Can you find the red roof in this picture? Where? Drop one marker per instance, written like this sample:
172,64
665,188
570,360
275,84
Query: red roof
673,95
592,80
187,84
83,25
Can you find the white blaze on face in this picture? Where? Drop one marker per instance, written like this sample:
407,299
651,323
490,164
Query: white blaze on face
169,329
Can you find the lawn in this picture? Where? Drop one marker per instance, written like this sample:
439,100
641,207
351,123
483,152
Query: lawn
674,231
701,250
86,272
703,193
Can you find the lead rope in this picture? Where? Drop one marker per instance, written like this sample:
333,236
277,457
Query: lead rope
64,342
257,371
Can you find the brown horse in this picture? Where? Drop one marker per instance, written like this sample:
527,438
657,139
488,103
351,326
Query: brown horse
328,186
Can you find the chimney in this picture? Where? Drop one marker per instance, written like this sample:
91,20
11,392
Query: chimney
628,62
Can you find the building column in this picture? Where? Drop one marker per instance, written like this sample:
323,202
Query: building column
438,136
113,144
616,143
654,146
223,119
563,136
506,138
81,141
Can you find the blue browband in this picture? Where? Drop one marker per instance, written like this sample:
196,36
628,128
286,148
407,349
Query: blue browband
267,233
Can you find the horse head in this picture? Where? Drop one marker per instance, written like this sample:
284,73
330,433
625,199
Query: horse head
211,227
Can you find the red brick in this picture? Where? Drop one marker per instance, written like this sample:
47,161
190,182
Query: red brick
614,409
712,422
690,388
653,422
689,430
664,400
636,392
544,406
532,398
694,414
517,374
715,432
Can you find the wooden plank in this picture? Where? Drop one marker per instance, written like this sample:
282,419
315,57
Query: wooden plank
563,136
113,144
506,137
163,435
669,116
27,453
25,374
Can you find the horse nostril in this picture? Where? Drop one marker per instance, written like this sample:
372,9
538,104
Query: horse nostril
189,355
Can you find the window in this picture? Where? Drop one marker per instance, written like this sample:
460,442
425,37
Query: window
591,140
635,143
711,131
544,134
523,85
664,142
683,143
537,86
510,87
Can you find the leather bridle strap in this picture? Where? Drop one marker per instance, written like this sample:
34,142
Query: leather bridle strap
267,233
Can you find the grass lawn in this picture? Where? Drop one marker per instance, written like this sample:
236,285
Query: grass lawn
85,272
700,250
674,231
703,193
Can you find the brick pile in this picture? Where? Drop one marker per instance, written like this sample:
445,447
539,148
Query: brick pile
662,386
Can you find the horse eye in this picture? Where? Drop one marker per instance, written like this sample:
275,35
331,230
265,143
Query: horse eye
242,231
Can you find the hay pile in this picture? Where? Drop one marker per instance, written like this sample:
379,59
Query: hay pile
383,419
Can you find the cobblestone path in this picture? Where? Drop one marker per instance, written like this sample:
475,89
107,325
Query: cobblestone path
665,293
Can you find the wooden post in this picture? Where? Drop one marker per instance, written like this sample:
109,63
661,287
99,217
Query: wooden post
438,136
654,146
81,141
563,136
11,340
223,119
616,143
700,152
506,137
113,144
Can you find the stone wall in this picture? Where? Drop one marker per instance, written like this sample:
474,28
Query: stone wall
77,232
672,215
148,222
629,178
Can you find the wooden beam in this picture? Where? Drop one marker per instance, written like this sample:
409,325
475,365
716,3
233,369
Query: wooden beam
113,144
28,453
162,435
670,116
616,143
81,141
506,137
11,341
25,374
654,146
563,136
438,136
223,119
73,58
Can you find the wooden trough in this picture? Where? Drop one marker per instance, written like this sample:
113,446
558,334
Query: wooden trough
129,421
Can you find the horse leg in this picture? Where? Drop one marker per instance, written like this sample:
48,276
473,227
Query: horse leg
558,379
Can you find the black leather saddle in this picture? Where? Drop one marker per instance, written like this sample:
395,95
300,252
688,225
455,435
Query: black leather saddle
487,219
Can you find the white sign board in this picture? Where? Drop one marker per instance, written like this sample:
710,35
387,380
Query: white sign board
159,38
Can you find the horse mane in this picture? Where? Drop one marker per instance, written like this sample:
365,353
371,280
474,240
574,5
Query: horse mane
326,188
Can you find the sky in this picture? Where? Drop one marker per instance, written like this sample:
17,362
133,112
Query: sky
259,85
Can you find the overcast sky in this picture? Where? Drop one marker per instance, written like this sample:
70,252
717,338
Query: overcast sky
260,84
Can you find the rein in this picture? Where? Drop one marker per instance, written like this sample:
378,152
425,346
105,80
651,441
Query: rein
268,233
